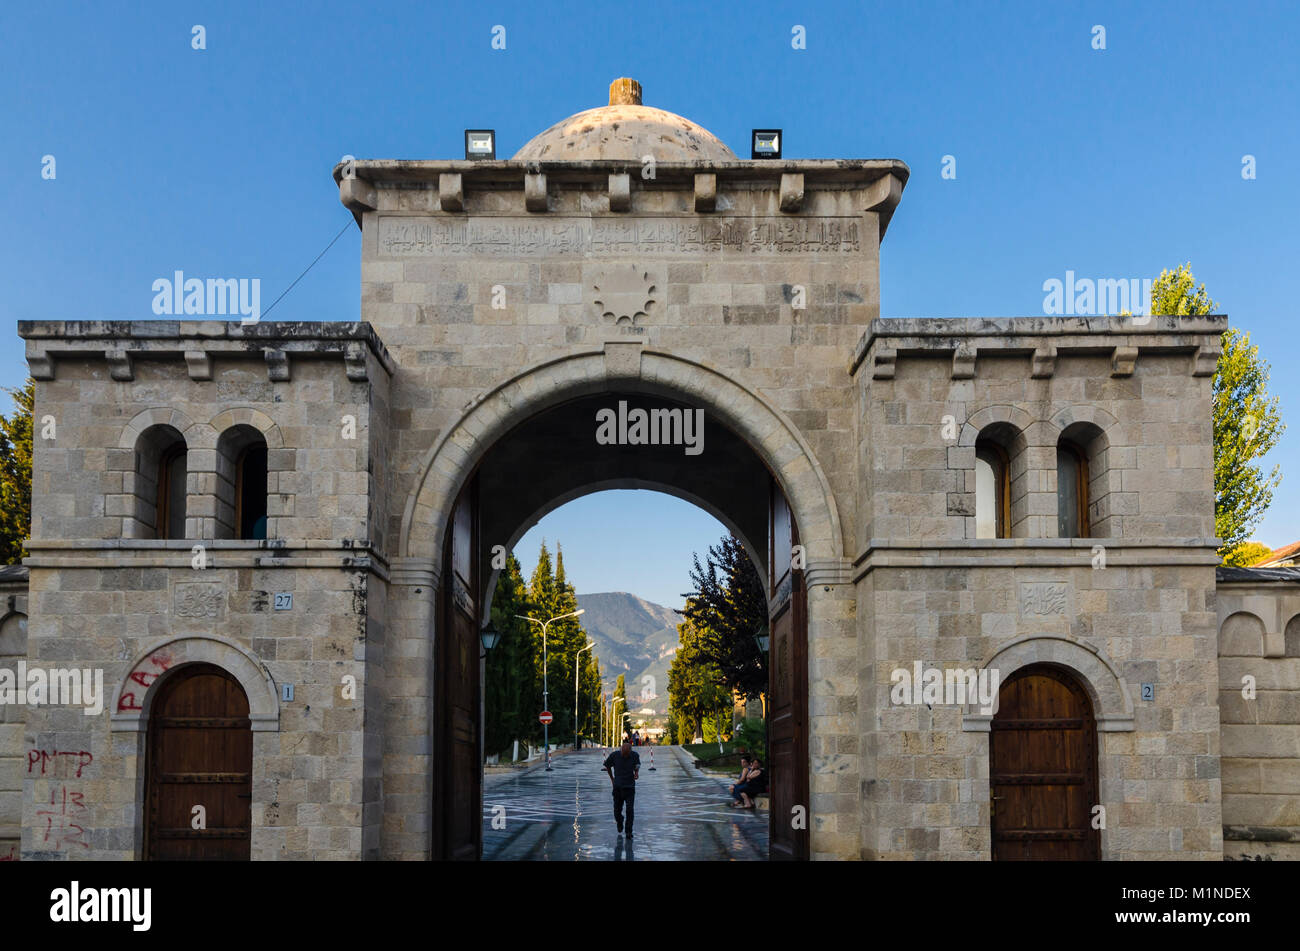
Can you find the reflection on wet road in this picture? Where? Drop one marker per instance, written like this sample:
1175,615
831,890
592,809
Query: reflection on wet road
568,814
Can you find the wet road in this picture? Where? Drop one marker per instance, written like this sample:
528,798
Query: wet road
568,814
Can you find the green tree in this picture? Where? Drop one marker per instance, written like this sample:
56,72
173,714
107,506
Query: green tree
726,609
1175,294
1247,421
1247,554
16,475
550,596
567,639
512,693
696,691
717,725
541,587
589,698
513,689
1247,424
541,599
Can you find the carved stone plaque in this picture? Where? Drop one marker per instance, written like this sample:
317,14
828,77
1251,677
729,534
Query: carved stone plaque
414,235
198,600
1044,598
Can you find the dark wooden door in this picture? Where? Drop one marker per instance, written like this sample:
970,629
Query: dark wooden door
200,754
458,789
787,709
1043,769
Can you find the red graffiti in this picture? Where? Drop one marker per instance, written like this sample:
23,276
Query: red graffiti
160,659
10,856
50,759
65,806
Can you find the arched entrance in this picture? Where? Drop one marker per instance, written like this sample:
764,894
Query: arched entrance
1043,768
200,754
532,441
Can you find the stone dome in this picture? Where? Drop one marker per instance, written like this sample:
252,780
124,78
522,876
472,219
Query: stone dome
627,130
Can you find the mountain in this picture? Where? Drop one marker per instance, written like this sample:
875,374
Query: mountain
636,638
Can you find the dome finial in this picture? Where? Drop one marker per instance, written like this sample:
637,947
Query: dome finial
625,92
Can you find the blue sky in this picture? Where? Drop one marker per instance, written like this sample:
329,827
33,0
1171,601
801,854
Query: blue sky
1113,163
644,543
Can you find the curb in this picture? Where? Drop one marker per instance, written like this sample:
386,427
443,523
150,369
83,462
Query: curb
540,764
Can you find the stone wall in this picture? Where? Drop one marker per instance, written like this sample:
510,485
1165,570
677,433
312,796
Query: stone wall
1135,610
926,793
136,608
506,291
1259,707
13,758
466,298
139,618
929,388
487,292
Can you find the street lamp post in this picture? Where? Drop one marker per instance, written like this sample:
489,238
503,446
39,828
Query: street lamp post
613,718
575,691
546,727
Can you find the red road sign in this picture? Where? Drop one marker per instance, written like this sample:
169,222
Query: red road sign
545,717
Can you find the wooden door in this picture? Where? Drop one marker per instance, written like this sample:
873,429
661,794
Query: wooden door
200,753
458,789
1043,769
787,723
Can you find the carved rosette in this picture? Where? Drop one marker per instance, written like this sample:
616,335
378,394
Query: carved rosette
623,292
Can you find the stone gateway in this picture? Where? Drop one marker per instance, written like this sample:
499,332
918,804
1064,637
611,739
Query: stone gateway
275,539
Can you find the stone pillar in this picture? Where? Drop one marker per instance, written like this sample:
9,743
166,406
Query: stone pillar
408,710
833,755
201,483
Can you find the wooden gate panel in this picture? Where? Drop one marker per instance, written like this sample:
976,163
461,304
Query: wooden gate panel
200,753
458,808
1043,769
787,710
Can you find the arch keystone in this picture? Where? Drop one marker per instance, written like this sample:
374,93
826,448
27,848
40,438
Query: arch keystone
623,360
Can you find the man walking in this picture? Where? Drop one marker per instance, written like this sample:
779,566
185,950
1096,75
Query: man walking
624,769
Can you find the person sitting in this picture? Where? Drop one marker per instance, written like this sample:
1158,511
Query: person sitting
755,784
744,774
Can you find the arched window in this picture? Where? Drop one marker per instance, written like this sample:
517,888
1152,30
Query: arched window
159,483
171,493
992,491
250,492
1084,483
1071,491
1000,483
241,484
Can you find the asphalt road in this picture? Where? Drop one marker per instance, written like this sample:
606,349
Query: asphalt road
568,814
